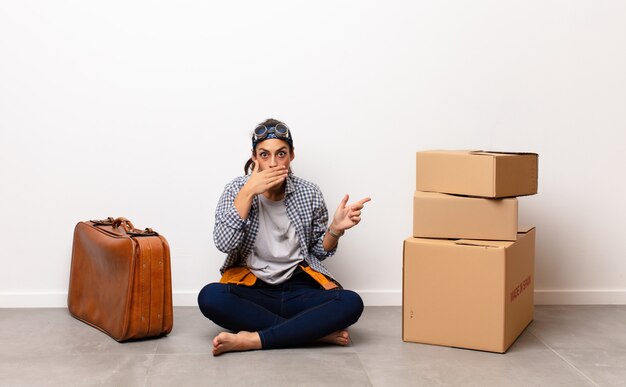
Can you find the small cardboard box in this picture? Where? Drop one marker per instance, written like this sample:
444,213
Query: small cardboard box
437,215
477,173
467,293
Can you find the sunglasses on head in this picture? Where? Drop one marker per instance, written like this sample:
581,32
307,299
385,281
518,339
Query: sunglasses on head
262,131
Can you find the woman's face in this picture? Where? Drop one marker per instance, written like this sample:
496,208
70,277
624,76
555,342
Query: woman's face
272,153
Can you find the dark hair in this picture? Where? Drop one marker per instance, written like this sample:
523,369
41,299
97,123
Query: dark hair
249,167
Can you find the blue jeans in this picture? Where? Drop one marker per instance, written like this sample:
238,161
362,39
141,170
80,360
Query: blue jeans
293,313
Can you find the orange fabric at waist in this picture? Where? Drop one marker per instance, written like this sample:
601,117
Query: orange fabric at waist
241,275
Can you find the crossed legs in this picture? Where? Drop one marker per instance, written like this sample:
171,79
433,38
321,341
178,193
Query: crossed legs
297,313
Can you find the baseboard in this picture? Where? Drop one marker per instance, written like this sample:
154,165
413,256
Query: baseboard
370,298
580,297
33,300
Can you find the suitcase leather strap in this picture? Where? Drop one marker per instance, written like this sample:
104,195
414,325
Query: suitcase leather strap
152,285
126,224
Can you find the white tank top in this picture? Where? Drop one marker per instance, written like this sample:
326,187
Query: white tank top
276,251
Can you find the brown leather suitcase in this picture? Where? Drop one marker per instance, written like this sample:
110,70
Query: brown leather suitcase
120,280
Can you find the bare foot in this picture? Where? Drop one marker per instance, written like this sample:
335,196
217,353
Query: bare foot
341,337
229,342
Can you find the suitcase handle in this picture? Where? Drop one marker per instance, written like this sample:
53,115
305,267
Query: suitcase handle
104,222
126,224
130,229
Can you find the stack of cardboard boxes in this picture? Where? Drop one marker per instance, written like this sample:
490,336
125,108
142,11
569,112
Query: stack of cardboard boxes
468,270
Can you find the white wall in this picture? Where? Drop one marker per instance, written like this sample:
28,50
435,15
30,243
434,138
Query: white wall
144,109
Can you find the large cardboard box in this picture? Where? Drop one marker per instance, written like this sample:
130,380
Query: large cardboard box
477,173
468,293
437,215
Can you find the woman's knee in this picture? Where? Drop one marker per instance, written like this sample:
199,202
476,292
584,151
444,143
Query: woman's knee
353,305
210,298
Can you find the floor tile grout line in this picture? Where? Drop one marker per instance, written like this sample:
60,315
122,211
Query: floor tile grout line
367,374
153,355
565,360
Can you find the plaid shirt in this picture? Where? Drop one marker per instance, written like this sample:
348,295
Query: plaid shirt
306,211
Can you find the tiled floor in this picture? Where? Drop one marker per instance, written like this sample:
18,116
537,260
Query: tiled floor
564,346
